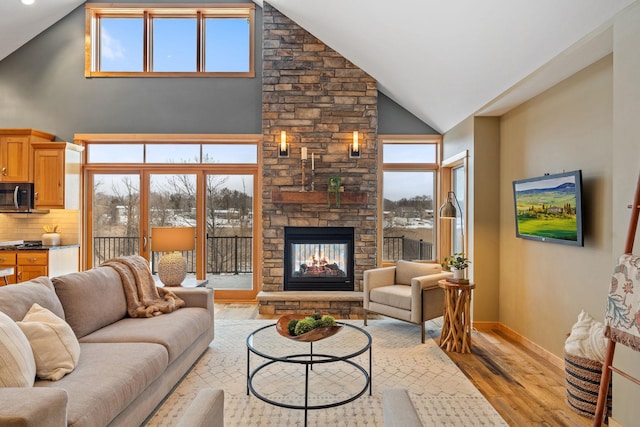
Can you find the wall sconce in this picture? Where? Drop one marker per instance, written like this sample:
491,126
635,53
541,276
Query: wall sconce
354,147
283,151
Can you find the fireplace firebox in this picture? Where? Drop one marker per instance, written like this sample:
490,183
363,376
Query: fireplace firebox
318,258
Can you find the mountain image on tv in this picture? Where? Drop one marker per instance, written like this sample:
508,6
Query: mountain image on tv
547,208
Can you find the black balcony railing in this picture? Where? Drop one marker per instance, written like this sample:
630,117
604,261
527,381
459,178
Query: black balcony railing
395,248
105,248
232,254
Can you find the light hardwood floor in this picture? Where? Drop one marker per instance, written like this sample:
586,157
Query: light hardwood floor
524,388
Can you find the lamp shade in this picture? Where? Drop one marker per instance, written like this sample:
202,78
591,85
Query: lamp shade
168,239
448,210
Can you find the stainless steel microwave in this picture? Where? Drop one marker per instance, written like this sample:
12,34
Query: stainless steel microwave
16,197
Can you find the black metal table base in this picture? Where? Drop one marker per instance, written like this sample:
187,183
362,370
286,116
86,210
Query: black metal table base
309,359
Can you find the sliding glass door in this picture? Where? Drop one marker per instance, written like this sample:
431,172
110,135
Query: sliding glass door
115,216
134,183
229,231
171,201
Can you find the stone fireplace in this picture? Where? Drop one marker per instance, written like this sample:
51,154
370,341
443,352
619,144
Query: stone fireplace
319,98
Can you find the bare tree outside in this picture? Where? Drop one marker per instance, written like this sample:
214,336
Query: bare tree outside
172,202
116,216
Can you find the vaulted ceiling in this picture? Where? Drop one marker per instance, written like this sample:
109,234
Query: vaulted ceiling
441,60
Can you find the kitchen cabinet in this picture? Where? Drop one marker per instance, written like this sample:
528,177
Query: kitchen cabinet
9,259
56,175
15,153
29,264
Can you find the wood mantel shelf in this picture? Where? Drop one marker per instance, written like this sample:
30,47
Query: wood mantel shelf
319,197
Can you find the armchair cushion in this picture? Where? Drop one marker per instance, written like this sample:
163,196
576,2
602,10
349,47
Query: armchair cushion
407,270
395,296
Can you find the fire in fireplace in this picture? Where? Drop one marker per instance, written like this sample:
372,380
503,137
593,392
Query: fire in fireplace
318,258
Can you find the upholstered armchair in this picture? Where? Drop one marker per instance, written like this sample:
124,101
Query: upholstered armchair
398,292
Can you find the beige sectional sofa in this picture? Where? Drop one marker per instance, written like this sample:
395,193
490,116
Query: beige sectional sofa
127,366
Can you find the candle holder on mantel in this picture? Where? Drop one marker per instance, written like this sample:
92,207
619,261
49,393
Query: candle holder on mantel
304,179
313,171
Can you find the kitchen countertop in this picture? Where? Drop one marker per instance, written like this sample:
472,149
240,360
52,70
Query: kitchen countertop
38,248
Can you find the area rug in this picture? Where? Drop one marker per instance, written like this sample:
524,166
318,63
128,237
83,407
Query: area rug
440,392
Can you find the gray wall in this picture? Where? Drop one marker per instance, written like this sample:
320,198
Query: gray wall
395,120
42,86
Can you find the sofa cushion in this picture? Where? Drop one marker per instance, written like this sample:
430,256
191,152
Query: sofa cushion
17,366
16,301
107,379
55,347
33,407
91,299
395,296
407,270
176,331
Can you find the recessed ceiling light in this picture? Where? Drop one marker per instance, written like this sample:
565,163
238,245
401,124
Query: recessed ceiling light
28,2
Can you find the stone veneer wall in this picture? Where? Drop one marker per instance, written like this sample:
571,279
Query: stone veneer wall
319,98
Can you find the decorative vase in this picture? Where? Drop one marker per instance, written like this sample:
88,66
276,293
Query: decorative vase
458,273
51,239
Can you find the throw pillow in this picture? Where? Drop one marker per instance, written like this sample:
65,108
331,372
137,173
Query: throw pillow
55,347
17,366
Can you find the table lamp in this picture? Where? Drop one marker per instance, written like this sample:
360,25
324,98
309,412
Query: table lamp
172,268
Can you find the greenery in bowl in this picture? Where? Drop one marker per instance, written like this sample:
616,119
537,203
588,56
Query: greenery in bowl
297,327
456,261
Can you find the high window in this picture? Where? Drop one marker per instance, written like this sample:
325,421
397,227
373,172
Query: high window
410,166
129,40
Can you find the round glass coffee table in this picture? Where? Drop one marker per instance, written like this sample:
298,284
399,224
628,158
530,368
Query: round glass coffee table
309,375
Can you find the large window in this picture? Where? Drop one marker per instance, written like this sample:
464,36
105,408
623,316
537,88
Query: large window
408,197
134,183
169,40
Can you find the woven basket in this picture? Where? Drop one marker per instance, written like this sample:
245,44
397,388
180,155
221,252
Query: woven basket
582,378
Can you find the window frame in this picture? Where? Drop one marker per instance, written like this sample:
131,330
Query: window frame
95,11
460,160
201,169
435,140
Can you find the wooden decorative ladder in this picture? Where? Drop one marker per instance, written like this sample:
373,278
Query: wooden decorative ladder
607,366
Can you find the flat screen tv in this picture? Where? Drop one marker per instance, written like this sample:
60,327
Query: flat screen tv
549,208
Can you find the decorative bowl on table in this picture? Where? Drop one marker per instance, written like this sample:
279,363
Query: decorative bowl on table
317,331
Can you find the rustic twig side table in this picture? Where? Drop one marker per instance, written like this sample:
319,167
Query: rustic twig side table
456,327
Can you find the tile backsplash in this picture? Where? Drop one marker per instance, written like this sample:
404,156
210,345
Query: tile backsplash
30,226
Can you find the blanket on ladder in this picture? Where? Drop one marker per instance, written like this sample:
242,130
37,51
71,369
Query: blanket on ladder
622,317
144,298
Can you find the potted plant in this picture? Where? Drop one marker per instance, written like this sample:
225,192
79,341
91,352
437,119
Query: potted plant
456,263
